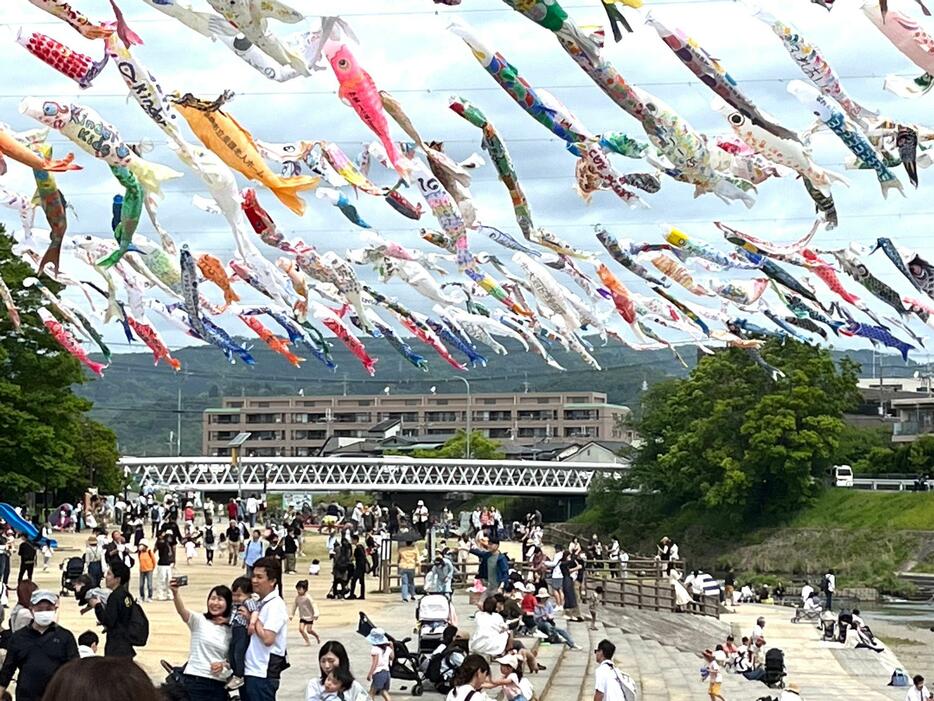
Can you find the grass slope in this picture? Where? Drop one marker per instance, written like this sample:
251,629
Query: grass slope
882,511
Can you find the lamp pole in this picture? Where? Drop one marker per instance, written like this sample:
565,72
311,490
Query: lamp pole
467,385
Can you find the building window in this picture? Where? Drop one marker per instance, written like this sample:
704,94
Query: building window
538,415
500,433
235,405
582,414
225,419
263,418
581,432
347,433
533,432
261,405
577,400
412,402
448,416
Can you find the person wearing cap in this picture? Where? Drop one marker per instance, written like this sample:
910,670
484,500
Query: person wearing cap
545,619
714,677
381,655
440,577
420,518
147,565
515,688
36,652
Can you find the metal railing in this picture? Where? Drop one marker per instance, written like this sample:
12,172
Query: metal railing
398,474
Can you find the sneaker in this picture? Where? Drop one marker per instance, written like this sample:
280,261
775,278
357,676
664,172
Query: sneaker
235,682
577,647
540,635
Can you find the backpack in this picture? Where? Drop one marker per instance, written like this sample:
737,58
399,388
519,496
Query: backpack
899,678
825,584
137,626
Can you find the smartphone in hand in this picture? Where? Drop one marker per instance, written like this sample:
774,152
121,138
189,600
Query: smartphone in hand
181,581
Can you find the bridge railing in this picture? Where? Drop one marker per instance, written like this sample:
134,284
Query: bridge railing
393,473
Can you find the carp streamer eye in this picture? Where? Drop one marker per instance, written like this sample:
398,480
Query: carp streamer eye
49,109
343,63
737,118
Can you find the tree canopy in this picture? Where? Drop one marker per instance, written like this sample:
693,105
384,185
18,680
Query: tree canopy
46,441
481,448
730,439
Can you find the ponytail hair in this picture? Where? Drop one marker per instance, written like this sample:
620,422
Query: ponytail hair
468,669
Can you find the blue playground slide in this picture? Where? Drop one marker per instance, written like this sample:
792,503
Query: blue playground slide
21,526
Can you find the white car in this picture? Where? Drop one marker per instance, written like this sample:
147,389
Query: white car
843,476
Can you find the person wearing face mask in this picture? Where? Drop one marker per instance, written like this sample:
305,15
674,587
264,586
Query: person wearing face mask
37,651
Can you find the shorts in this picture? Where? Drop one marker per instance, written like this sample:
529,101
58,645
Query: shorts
307,621
555,583
381,681
329,520
714,689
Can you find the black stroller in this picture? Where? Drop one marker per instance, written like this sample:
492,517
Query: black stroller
774,668
405,665
72,568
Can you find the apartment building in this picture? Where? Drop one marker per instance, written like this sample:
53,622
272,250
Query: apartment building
296,426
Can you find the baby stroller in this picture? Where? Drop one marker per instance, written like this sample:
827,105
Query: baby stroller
774,668
432,613
803,614
405,665
72,568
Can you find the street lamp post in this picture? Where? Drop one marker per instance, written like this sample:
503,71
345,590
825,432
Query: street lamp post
467,385
235,445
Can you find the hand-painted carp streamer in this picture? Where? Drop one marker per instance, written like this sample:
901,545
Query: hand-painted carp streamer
79,67
213,270
224,136
616,17
856,142
279,345
53,206
715,77
905,34
359,92
81,24
129,216
87,129
555,118
148,335
12,312
815,67
250,18
64,338
550,15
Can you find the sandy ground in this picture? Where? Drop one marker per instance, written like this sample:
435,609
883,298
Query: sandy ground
169,637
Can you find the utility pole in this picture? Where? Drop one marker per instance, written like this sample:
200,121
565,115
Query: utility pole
467,385
178,421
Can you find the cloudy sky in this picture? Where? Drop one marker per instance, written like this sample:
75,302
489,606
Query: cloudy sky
404,44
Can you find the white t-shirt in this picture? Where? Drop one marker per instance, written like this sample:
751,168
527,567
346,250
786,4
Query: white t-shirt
274,615
831,582
513,688
714,676
916,694
462,693
757,632
806,592
251,505
383,657
209,643
490,634
315,692
607,681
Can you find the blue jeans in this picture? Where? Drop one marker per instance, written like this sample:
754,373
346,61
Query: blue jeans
259,689
203,689
145,582
407,584
239,641
550,629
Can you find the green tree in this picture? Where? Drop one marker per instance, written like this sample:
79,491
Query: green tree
866,450
481,448
730,439
42,422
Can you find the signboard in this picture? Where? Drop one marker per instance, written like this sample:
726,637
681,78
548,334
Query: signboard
298,499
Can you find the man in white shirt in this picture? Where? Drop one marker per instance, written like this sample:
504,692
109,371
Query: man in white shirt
608,682
806,593
266,655
420,518
830,586
918,691
758,630
252,506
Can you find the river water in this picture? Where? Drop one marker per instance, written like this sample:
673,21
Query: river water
916,613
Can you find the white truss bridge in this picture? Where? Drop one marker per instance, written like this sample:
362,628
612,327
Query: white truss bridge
390,474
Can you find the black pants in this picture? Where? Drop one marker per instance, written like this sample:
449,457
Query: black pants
422,528
829,606
25,571
209,552
358,576
374,569
4,569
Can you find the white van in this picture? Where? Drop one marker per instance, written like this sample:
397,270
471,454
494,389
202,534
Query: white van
843,476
